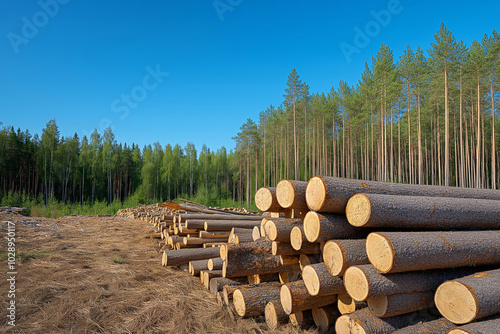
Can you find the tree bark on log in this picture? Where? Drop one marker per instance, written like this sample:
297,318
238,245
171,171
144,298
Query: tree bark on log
215,263
218,283
341,254
438,326
346,304
389,306
325,317
227,225
183,256
258,247
423,213
196,266
214,235
363,321
470,298
292,195
208,217
320,227
200,241
284,248
364,281
319,282
278,229
294,298
252,301
266,201
208,275
195,224
330,194
491,326
393,252
275,315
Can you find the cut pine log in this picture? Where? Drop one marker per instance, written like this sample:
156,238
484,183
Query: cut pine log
364,281
202,216
275,315
341,254
325,317
200,241
227,225
284,248
214,235
422,213
294,298
389,306
393,252
258,246
266,201
320,227
251,301
183,256
299,241
208,275
292,195
196,266
491,326
363,321
346,304
470,298
263,223
278,229
217,283
319,282
215,263
330,194
438,326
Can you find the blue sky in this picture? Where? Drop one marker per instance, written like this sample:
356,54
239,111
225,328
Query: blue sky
195,70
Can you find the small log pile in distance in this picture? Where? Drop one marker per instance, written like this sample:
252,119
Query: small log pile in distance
355,256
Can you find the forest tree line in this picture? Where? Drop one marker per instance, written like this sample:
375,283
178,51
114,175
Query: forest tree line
425,118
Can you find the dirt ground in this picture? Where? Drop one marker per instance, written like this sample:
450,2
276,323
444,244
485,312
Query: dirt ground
104,275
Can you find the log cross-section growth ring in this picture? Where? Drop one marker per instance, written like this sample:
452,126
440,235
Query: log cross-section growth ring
265,200
292,194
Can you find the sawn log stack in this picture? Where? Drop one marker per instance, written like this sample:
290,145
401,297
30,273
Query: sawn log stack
352,256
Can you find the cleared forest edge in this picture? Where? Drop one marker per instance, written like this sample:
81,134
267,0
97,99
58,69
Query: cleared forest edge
101,274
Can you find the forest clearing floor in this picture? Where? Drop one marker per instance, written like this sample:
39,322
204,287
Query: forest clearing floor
104,275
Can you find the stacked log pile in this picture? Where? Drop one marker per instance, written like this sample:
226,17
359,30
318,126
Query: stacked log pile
353,256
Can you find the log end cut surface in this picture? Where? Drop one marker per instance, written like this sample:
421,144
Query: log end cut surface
272,316
345,324
271,230
286,299
285,193
264,199
456,302
311,280
296,238
316,193
380,251
358,210
356,284
334,258
312,226
321,318
239,303
378,306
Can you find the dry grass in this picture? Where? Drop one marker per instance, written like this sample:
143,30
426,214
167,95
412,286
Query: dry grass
102,275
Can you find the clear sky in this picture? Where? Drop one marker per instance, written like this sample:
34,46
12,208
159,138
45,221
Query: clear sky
195,70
